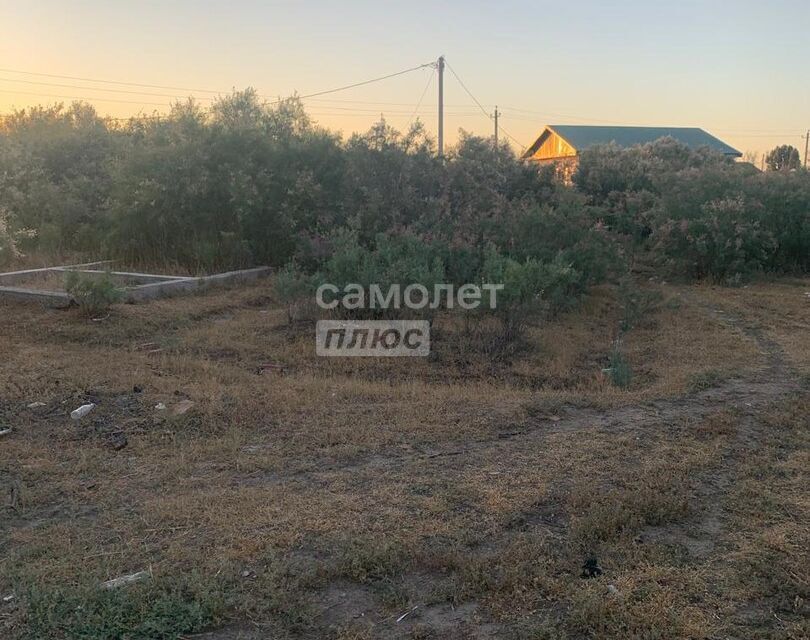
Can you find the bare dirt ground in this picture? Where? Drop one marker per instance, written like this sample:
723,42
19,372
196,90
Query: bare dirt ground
462,496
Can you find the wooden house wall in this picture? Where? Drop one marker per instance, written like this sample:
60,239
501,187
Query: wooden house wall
553,147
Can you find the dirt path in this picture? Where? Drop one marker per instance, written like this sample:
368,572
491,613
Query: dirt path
746,396
542,440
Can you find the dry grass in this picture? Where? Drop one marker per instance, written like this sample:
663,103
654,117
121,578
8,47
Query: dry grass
328,500
781,309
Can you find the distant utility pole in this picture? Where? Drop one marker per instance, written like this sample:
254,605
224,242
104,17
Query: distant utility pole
496,126
440,67
806,142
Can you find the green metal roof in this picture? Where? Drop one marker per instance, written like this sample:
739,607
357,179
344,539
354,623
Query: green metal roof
583,136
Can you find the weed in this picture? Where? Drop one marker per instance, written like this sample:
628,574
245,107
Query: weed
620,372
93,294
159,609
293,288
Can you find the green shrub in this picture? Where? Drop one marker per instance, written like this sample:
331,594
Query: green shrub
94,294
530,288
785,215
157,610
569,230
293,288
620,372
393,261
246,182
725,242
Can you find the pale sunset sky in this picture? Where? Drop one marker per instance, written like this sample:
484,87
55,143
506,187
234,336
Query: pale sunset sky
737,69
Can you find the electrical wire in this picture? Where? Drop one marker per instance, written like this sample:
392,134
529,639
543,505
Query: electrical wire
480,106
395,104
73,86
469,93
422,97
312,96
511,137
178,96
186,89
117,82
53,95
365,82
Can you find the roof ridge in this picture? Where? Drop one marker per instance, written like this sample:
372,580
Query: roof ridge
582,136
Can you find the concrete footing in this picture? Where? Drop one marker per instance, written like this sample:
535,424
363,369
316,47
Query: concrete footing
56,299
181,285
142,286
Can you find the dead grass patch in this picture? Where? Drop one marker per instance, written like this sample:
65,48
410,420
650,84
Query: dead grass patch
462,481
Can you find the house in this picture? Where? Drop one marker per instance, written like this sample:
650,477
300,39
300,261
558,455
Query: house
563,142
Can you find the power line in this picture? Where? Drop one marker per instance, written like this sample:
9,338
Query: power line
395,104
53,95
422,97
118,82
186,89
365,82
480,106
510,136
311,96
159,104
305,97
469,93
73,86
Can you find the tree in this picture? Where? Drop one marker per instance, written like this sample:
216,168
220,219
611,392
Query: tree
783,158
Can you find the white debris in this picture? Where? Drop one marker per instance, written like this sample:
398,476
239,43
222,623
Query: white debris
613,590
407,613
36,405
124,580
82,411
9,598
160,407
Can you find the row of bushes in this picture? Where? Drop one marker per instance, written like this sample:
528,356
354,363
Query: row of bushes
242,183
245,183
697,214
531,286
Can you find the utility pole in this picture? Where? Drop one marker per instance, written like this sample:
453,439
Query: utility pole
496,126
440,67
806,144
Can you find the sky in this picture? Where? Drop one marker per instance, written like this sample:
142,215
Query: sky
737,69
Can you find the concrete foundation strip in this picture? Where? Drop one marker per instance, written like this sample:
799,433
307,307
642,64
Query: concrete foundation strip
151,285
